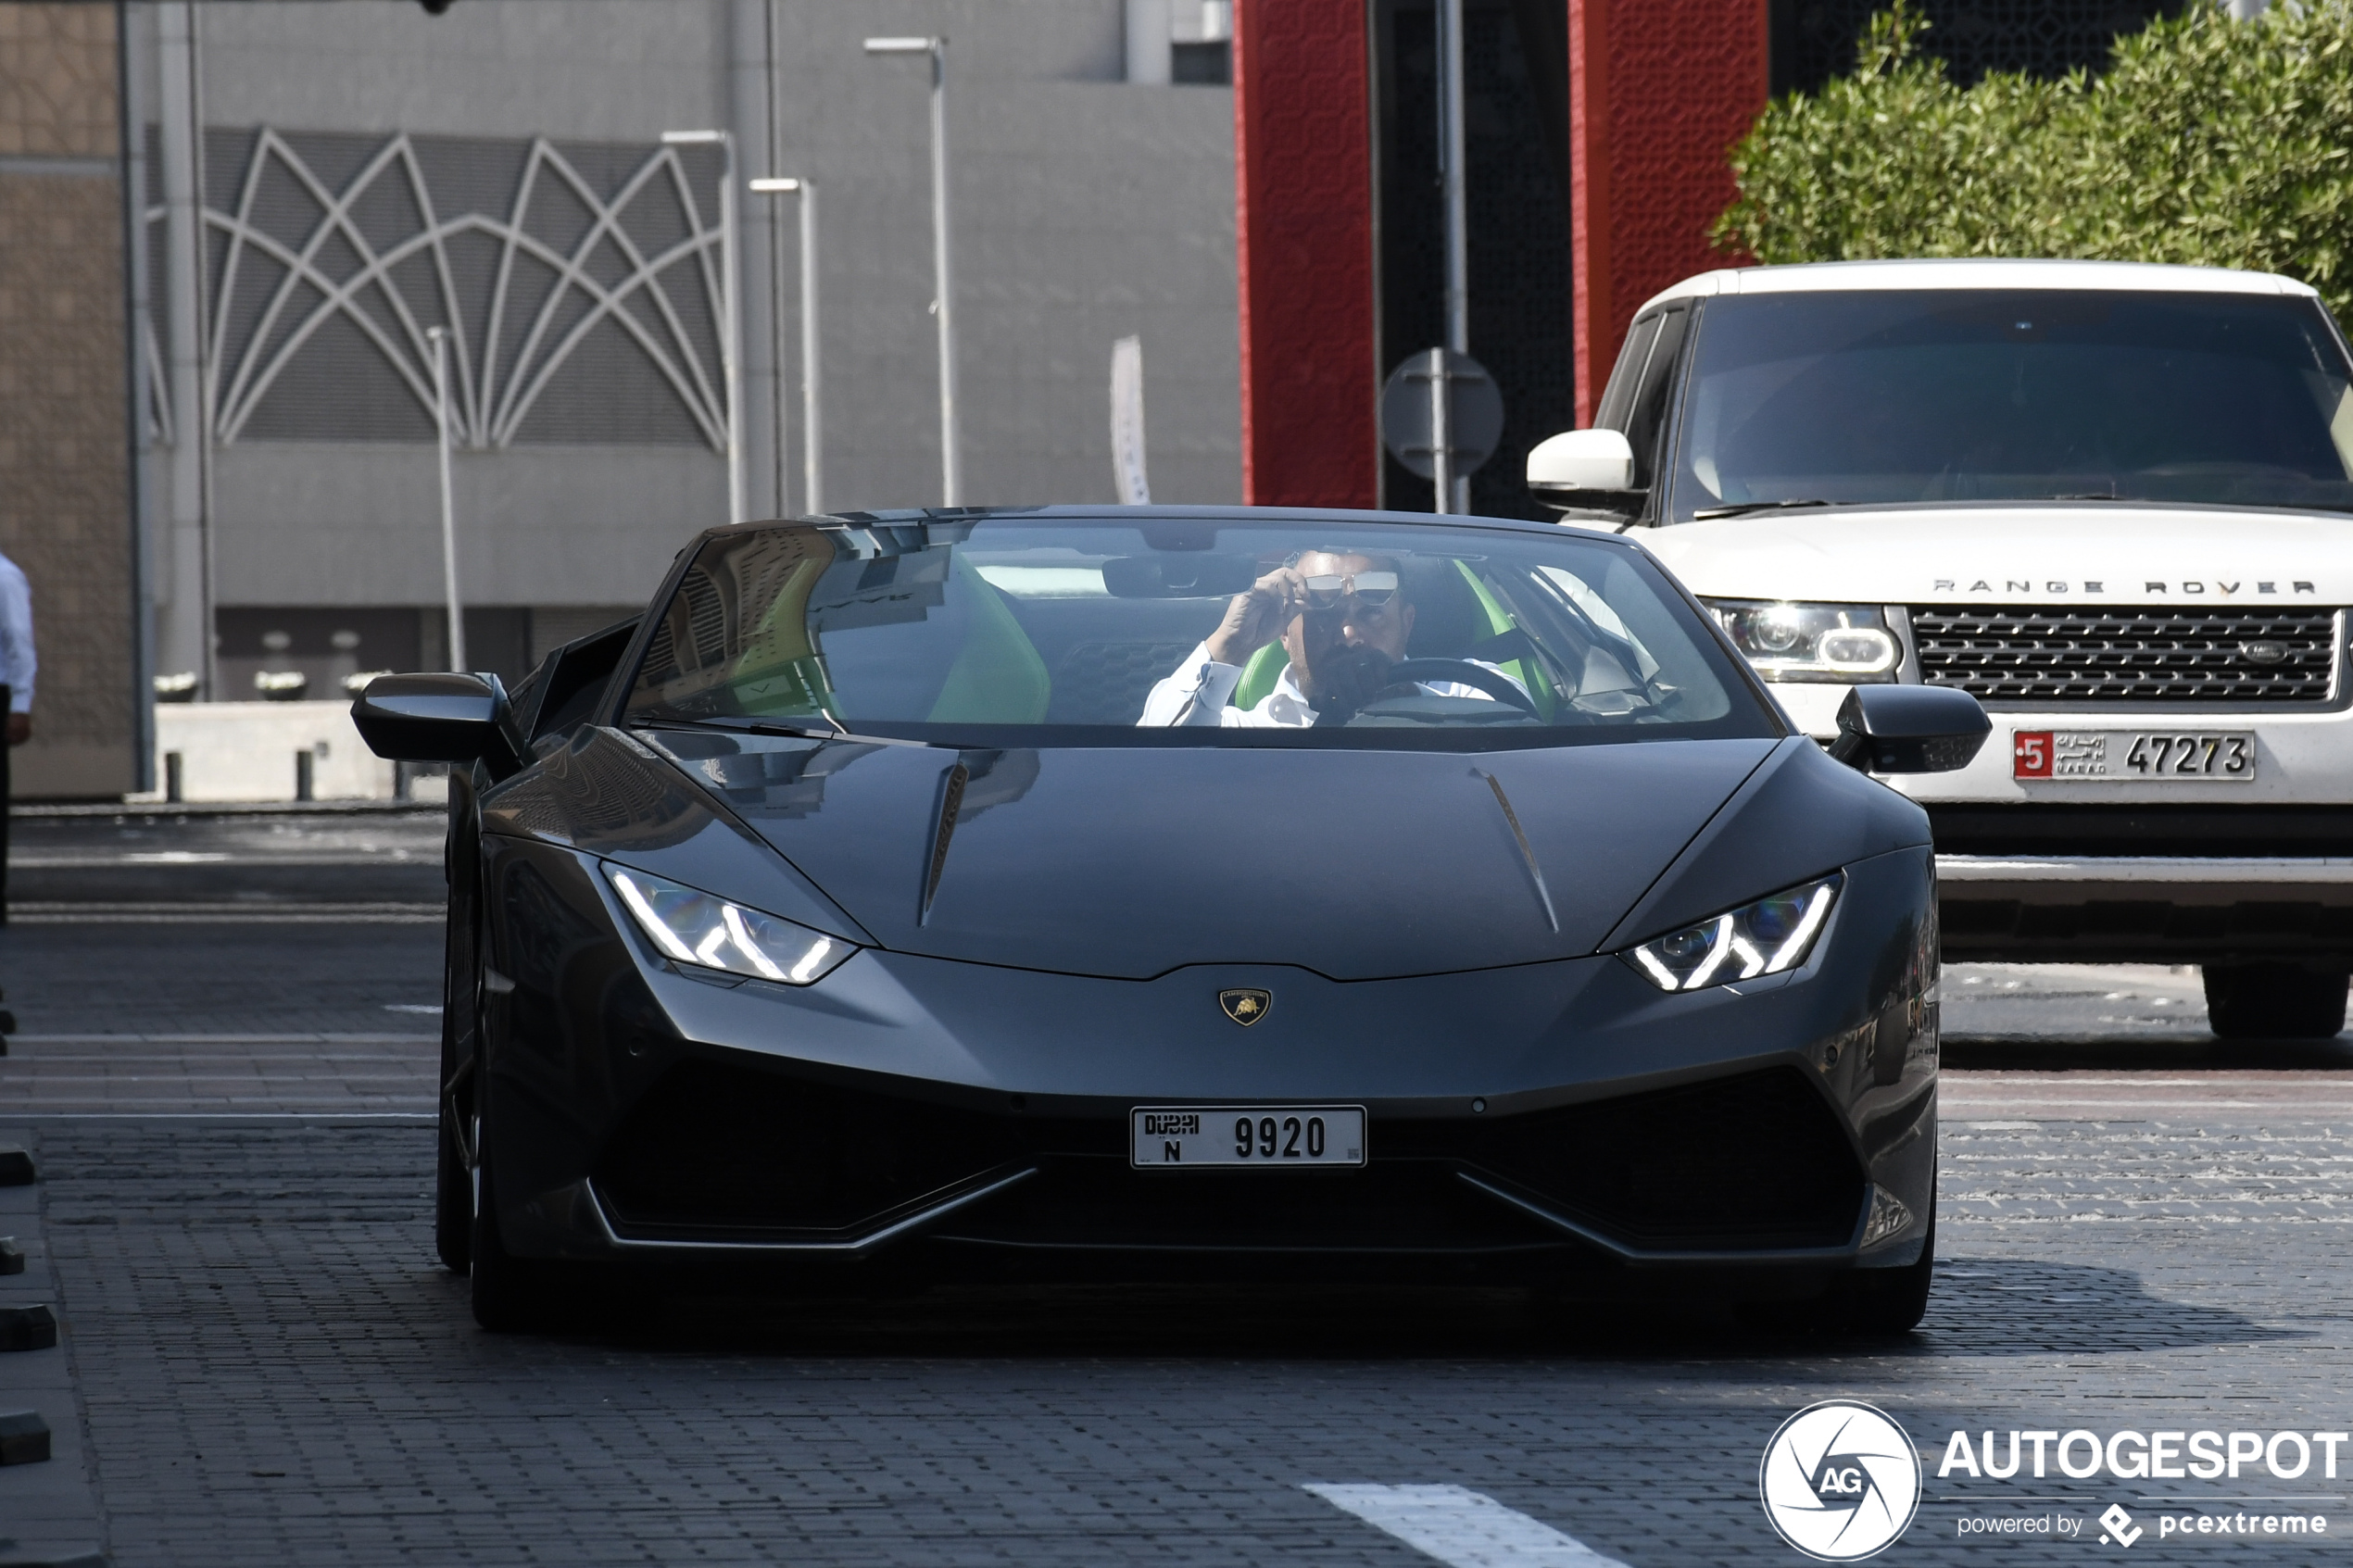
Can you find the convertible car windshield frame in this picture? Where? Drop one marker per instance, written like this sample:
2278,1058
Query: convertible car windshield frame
1158,628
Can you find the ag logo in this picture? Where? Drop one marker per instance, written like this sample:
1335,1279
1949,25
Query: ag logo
1245,1007
1840,1481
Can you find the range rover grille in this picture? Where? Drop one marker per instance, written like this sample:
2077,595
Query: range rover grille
2062,655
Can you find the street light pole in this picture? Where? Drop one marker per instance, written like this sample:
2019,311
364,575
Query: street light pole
439,337
812,436
1452,491
731,294
951,462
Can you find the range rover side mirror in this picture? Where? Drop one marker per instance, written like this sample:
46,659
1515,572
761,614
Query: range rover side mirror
1909,729
1586,471
436,718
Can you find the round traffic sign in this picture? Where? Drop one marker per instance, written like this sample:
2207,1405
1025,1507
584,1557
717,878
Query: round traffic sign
1475,412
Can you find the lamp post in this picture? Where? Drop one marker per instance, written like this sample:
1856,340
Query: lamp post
439,337
1453,490
730,352
813,456
951,462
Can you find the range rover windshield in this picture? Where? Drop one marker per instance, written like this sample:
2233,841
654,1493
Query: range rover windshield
2014,395
1166,632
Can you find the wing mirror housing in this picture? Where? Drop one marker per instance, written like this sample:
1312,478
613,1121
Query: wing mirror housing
437,717
1586,471
1909,729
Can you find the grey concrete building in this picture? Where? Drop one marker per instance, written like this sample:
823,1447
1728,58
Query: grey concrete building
365,171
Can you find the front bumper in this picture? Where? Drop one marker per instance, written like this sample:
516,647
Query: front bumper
2119,871
1561,1121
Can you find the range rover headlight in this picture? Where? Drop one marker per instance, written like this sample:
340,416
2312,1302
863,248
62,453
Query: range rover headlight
697,928
1849,643
1765,937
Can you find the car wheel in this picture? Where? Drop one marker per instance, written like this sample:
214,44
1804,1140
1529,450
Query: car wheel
511,1295
2275,1001
453,1199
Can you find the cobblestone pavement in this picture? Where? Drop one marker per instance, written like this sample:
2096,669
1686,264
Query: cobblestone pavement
262,1364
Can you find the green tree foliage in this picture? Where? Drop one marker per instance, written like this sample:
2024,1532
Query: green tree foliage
2207,140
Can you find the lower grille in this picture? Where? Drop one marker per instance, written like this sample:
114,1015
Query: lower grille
1755,1161
725,1150
2060,655
721,1151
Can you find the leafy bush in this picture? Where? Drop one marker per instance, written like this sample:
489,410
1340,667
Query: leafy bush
2207,140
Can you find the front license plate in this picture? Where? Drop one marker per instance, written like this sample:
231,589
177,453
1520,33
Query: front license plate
2135,756
1269,1136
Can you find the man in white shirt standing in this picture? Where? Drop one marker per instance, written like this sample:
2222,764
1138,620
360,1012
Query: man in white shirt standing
18,665
1343,619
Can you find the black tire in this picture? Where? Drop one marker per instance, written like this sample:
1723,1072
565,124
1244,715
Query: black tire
2275,1001
1878,1303
511,1295
453,1206
453,1200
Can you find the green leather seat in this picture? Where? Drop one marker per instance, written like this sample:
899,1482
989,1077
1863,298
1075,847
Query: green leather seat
997,677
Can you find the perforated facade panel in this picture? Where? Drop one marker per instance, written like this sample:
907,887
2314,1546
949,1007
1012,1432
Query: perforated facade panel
579,283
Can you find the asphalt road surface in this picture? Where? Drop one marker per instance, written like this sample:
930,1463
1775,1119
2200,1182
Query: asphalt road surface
224,1069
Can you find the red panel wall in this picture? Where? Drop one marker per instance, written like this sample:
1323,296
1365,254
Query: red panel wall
1303,232
1658,91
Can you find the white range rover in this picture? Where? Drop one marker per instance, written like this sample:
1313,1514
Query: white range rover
2109,501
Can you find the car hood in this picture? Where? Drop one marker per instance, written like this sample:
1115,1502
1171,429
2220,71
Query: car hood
1131,861
1988,553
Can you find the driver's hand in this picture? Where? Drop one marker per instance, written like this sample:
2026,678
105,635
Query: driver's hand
1259,616
1346,678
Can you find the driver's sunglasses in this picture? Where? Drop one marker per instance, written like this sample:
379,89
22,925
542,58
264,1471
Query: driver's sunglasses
1371,589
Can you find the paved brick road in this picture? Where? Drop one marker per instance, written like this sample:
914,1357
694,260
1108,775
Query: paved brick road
270,1369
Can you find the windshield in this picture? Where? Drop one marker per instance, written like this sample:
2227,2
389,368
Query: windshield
1175,631
2009,395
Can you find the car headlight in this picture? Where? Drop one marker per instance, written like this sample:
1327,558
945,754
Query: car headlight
1849,643
693,927
1765,937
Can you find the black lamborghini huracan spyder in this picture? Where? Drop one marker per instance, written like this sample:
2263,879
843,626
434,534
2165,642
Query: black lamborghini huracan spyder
1177,895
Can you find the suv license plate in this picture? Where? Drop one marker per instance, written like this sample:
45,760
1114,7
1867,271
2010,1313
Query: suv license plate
2135,756
1269,1136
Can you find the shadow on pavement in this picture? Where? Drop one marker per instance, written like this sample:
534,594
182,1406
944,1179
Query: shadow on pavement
1980,1307
2016,1055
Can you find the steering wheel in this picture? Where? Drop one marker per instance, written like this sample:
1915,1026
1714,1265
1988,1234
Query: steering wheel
1463,672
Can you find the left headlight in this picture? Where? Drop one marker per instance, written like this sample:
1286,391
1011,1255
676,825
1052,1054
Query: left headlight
1849,643
1765,937
694,927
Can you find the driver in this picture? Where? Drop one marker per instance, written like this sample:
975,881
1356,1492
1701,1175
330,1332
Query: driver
1343,619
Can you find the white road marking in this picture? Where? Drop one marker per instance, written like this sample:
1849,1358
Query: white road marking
1463,1528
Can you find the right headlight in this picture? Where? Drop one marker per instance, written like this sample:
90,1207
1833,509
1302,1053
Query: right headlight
1849,643
698,928
1765,937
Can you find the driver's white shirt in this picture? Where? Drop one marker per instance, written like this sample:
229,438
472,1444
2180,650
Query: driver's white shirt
1200,690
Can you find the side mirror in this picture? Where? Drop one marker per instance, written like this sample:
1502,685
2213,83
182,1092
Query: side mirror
1585,470
1909,729
436,718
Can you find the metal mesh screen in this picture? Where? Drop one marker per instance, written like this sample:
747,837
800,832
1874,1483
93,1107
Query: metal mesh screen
579,284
